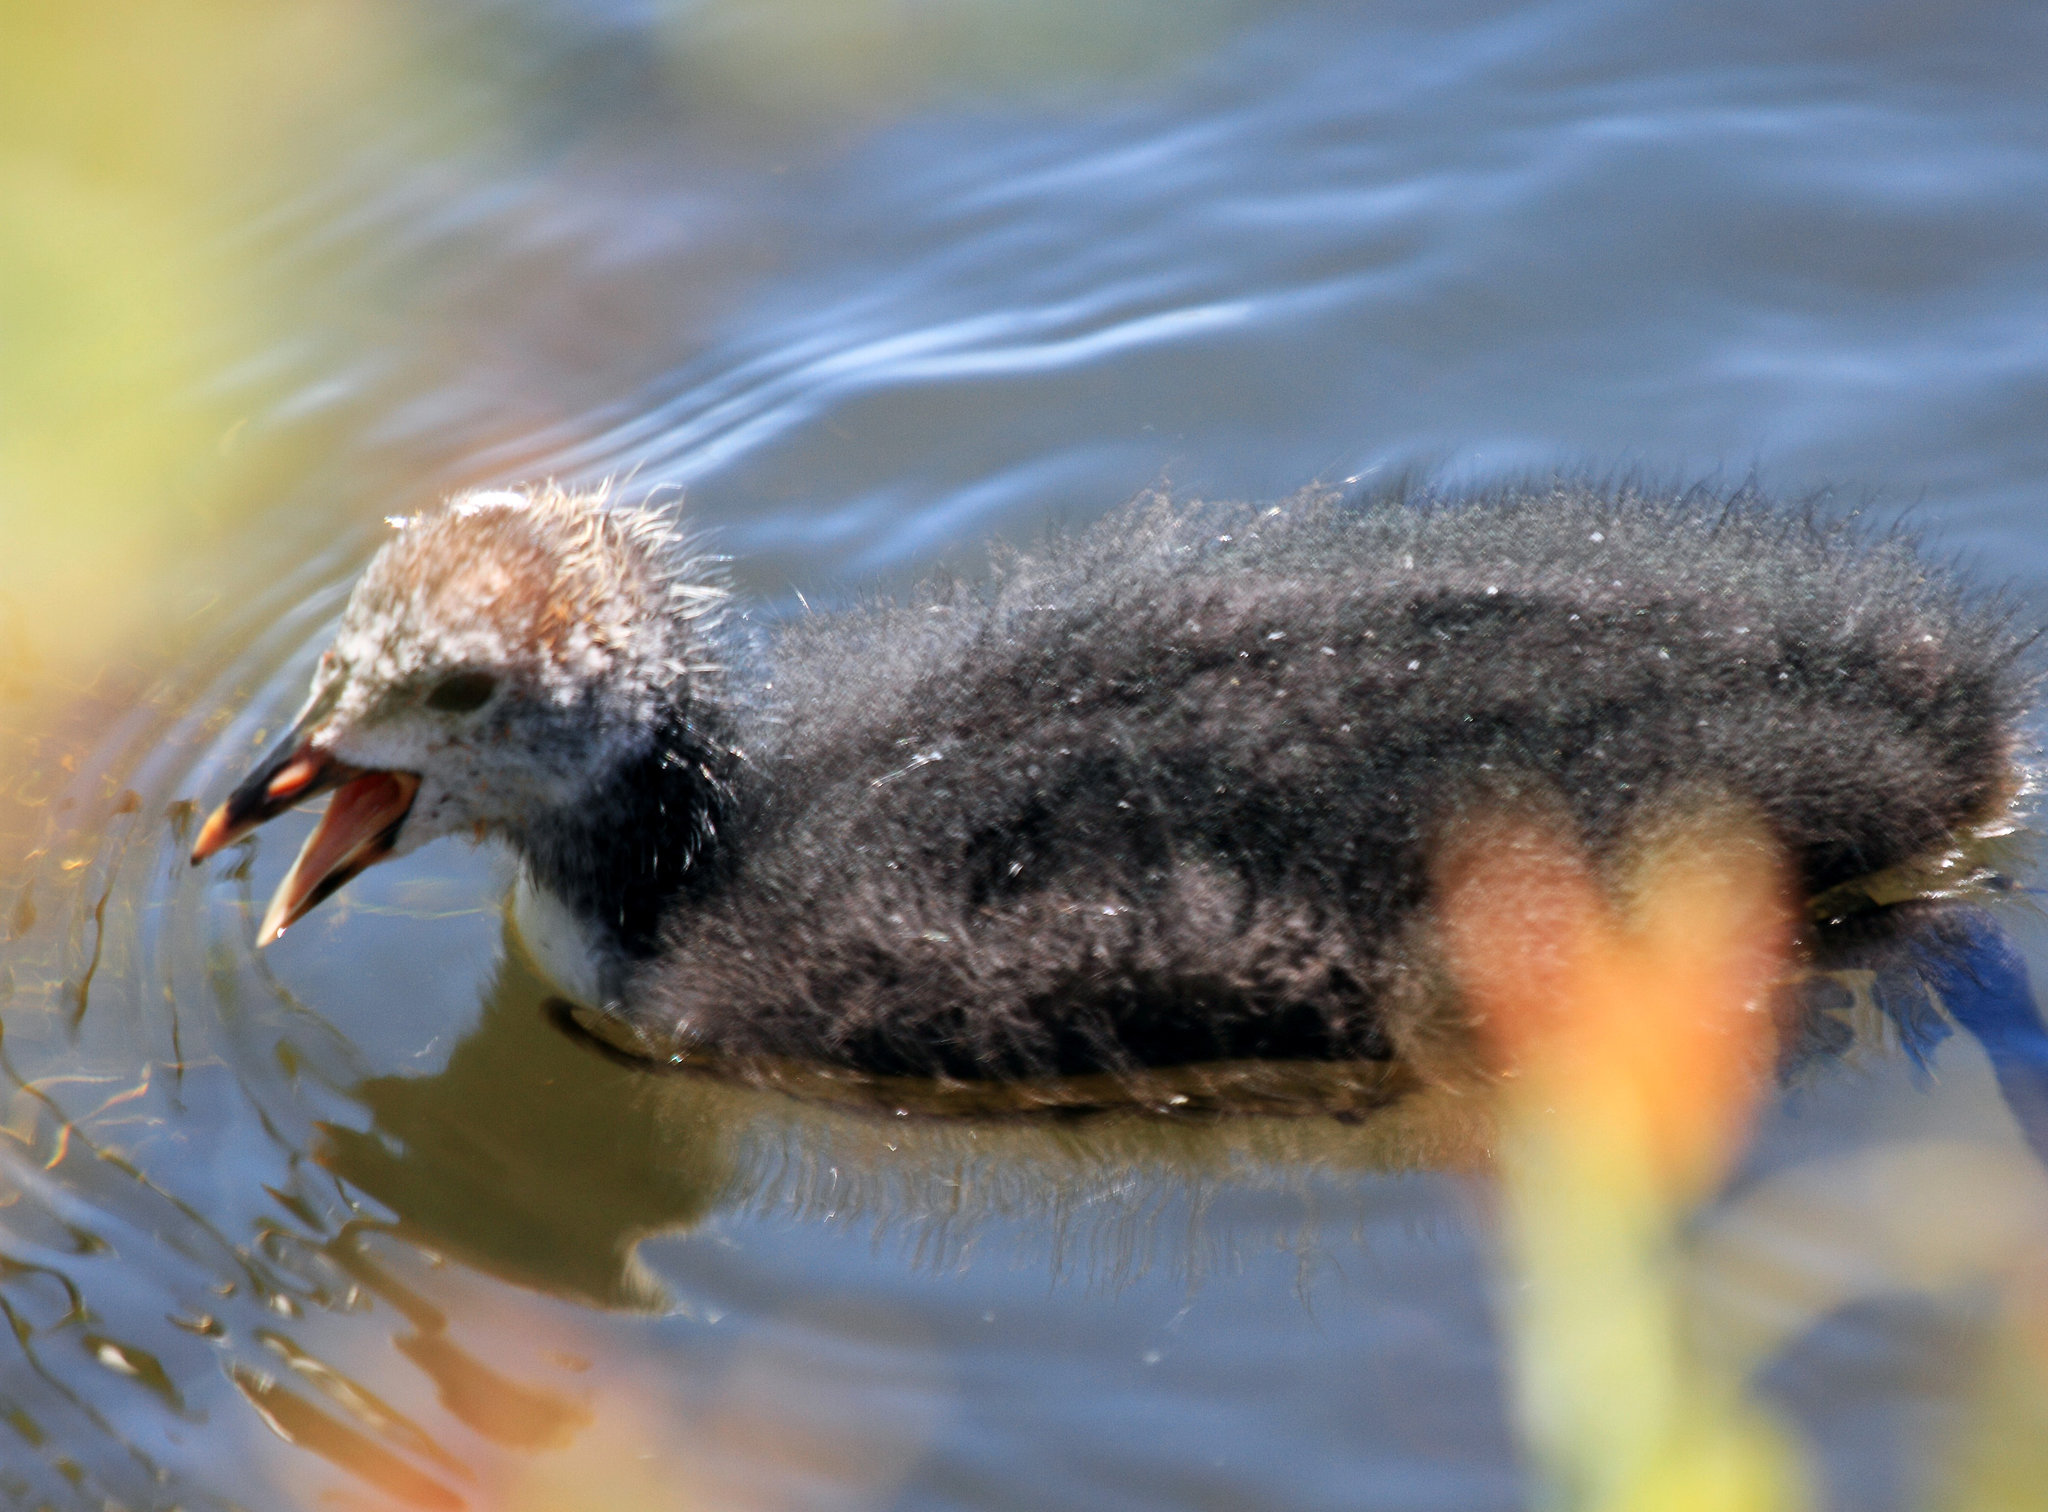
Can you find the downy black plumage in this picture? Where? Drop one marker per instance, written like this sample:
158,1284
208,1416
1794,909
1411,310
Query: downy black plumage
1162,791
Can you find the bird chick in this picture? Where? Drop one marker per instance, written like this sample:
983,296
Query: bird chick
1166,791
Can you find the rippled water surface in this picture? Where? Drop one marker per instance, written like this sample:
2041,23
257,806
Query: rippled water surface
351,1223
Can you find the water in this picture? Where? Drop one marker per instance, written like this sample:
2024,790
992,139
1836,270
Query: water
349,1223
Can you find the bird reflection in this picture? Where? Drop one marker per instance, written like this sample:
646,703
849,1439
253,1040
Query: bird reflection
544,1156
532,1158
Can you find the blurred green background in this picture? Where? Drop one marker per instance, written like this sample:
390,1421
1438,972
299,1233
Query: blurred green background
156,390
136,145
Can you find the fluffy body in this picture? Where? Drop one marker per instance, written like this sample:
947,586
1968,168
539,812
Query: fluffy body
1168,790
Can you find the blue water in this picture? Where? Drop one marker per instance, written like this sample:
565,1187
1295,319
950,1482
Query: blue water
870,286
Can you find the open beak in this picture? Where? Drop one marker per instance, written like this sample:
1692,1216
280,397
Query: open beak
357,831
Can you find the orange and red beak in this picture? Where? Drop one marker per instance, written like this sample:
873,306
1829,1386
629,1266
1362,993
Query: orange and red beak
357,831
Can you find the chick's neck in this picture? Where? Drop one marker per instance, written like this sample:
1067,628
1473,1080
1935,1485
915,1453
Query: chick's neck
659,829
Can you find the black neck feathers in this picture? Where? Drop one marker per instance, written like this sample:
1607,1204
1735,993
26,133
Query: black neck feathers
660,830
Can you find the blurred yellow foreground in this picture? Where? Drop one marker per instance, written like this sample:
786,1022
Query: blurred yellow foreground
1636,1036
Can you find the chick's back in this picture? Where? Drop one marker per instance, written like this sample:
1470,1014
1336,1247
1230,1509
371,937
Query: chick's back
1166,790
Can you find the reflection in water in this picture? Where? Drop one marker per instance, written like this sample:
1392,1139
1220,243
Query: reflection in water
296,1421
533,1157
489,1161
493,1158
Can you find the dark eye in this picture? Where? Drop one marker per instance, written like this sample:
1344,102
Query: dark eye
462,692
